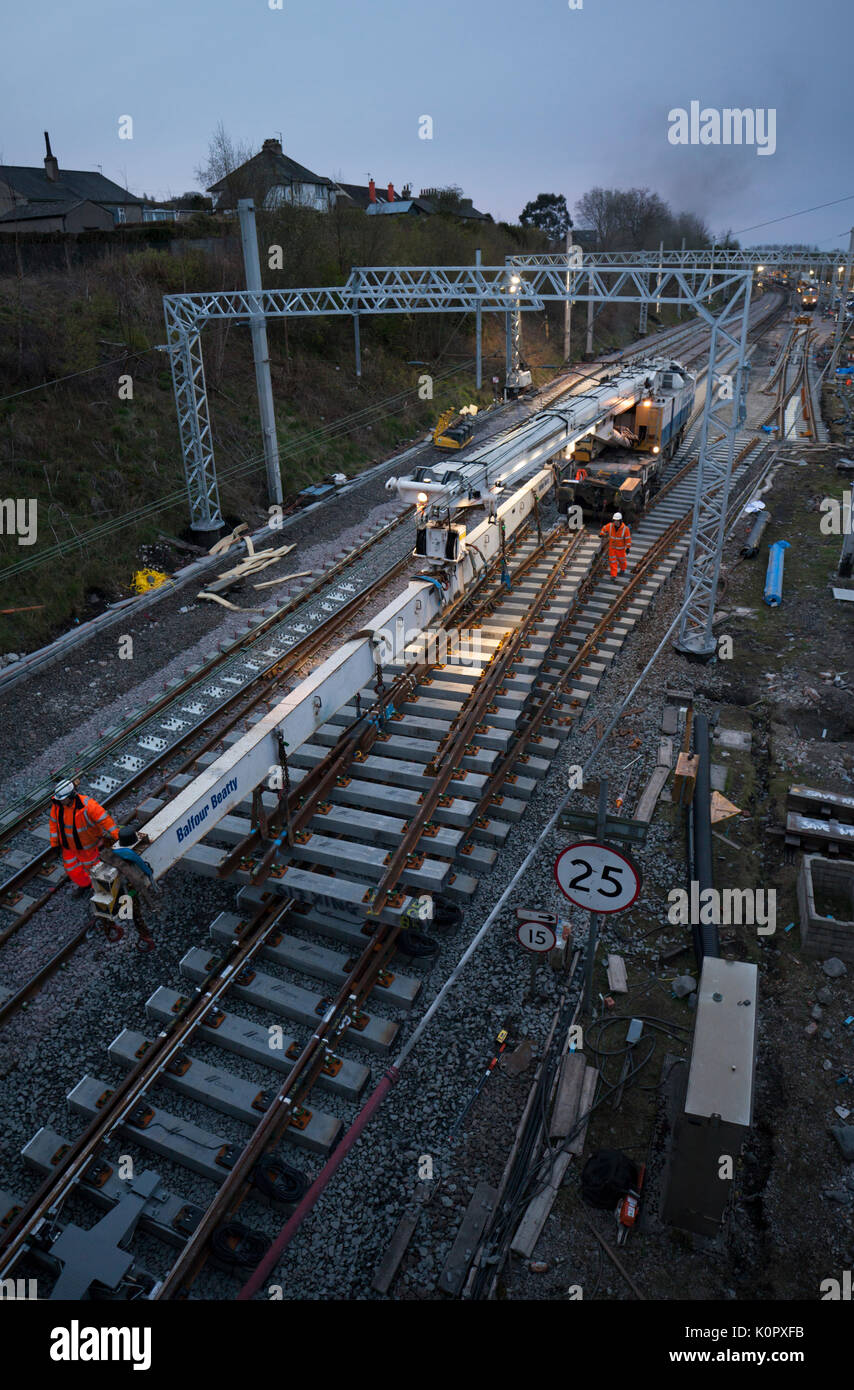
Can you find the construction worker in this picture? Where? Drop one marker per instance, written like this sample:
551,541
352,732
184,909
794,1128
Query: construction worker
136,882
77,824
619,543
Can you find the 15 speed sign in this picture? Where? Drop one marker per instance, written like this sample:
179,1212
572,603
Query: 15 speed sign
597,877
536,936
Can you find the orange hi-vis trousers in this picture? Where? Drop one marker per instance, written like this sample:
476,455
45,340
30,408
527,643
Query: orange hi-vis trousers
76,830
619,544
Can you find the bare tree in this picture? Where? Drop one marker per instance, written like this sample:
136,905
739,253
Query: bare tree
225,159
636,219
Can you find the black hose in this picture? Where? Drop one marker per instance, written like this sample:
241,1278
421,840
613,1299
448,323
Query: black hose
279,1181
691,858
709,942
237,1245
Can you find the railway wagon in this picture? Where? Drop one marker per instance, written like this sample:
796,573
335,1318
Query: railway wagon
623,471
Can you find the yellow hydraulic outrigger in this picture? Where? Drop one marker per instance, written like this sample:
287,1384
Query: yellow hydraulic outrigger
448,436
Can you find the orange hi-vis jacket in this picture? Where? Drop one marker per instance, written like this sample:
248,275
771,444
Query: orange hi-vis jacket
76,829
619,539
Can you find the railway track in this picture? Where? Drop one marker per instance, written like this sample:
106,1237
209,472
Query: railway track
237,676
792,380
410,790
194,714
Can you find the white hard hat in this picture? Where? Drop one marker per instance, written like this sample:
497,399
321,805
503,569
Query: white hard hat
63,790
618,516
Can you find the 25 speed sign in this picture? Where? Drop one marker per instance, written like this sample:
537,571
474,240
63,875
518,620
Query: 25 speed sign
597,877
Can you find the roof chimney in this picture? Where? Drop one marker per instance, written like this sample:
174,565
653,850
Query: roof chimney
372,191
51,167
271,147
391,192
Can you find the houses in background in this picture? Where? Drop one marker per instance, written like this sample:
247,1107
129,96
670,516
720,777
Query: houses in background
272,179
50,199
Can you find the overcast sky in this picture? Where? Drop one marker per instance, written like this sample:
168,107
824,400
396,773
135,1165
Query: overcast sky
526,96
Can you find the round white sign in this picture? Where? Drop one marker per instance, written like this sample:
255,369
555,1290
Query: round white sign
536,936
597,877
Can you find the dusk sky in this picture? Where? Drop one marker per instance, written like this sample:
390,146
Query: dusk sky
524,98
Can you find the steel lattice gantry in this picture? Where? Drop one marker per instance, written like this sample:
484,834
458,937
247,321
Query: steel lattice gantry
691,279
378,290
713,258
631,280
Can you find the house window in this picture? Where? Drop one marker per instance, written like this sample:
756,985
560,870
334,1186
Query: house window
119,215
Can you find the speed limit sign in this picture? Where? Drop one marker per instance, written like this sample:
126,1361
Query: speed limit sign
597,877
536,936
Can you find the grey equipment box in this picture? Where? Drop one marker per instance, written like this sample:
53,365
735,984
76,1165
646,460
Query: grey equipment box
718,1109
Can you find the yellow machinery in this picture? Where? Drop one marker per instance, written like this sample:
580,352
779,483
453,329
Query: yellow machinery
454,436
146,579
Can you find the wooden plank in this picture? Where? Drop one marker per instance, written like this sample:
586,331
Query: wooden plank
568,1094
617,982
538,1209
813,801
669,719
537,1214
591,1076
685,777
461,1254
646,805
388,1265
665,752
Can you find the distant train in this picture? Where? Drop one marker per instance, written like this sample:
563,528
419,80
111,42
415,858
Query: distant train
808,294
622,470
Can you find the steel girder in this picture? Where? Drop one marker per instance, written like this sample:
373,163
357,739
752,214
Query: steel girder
194,426
632,284
623,278
437,289
696,260
524,283
724,408
375,290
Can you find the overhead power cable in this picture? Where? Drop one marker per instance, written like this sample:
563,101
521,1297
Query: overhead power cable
789,215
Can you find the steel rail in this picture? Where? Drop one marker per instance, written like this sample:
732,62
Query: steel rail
119,1103
366,970
652,557
304,801
295,657
196,677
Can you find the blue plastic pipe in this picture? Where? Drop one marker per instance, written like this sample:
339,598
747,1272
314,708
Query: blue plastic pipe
774,576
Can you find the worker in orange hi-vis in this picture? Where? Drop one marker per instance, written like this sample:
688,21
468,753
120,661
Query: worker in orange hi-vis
77,823
619,543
